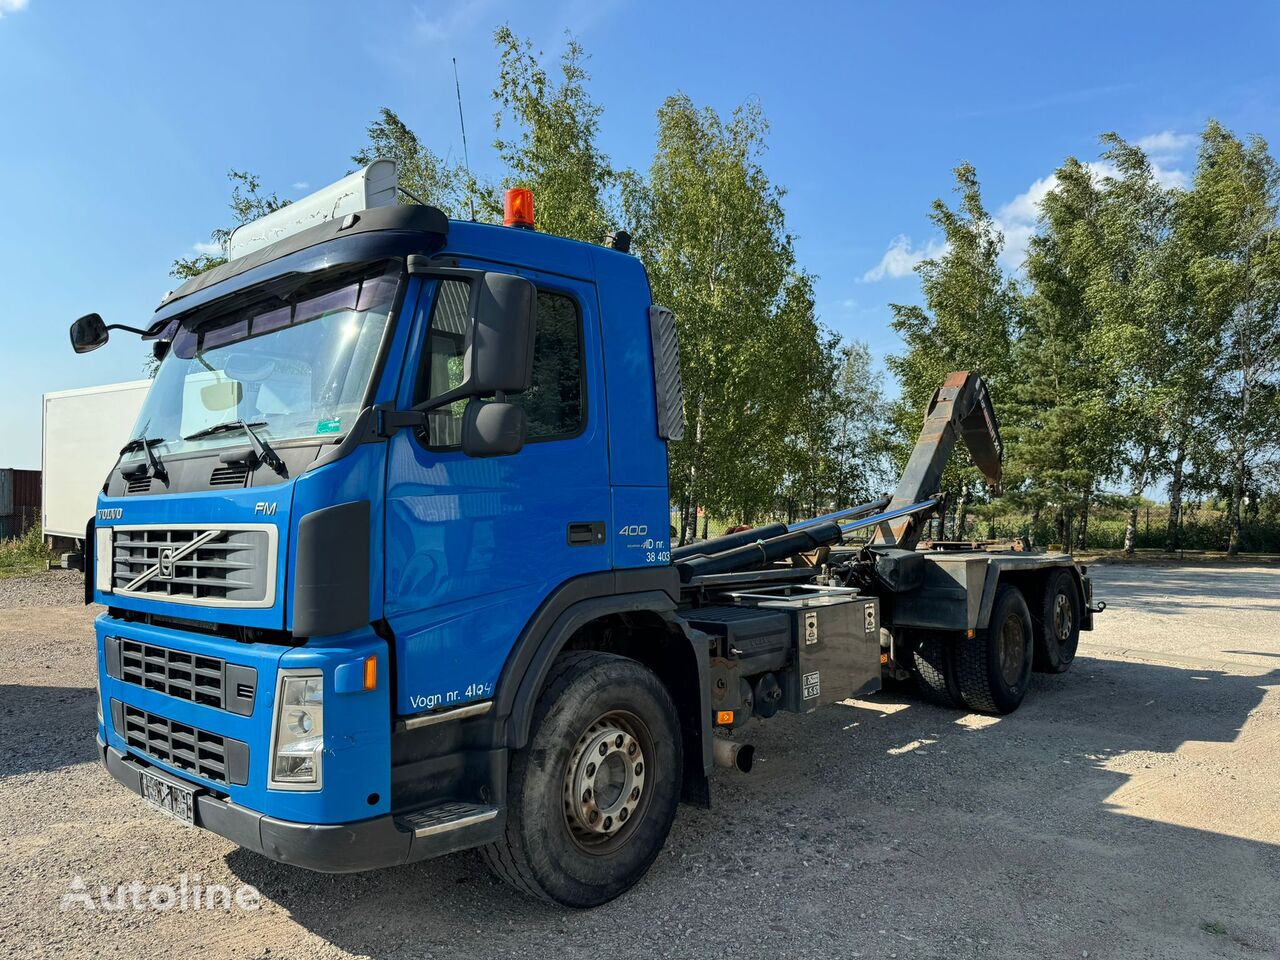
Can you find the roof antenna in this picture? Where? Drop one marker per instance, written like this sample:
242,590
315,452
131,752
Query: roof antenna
466,160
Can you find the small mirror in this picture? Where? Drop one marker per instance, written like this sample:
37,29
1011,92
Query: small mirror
493,429
160,349
88,333
502,340
223,395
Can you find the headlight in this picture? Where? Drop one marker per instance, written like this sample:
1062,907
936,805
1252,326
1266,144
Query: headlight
298,738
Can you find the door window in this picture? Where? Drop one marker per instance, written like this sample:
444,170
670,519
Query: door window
555,401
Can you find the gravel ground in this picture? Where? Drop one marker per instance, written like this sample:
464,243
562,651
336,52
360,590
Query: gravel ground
56,588
1126,810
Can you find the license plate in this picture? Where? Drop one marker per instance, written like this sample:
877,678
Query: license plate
177,801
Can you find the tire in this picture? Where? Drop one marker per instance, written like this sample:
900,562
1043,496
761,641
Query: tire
1058,624
935,674
552,847
993,667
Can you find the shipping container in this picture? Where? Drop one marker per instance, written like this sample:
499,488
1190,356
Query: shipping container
26,488
19,501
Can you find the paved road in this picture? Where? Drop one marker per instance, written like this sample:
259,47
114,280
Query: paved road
1127,810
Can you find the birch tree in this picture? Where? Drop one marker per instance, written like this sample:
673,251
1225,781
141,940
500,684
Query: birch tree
710,228
1231,213
966,322
552,124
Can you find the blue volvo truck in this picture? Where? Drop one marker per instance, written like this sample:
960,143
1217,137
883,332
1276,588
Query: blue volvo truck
387,572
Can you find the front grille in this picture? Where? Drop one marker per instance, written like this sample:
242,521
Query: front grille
186,675
208,755
232,566
209,681
138,485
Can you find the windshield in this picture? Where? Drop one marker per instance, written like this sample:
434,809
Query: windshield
292,360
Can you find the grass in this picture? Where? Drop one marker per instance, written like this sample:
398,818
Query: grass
25,554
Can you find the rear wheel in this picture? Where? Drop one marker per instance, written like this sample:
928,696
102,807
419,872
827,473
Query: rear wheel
935,672
591,799
993,667
1058,624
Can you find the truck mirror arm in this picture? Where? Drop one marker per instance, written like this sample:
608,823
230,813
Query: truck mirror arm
389,420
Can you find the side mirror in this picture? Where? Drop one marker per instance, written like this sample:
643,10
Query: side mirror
501,352
492,428
88,333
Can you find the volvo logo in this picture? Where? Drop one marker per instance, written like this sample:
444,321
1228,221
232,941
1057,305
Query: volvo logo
111,513
168,559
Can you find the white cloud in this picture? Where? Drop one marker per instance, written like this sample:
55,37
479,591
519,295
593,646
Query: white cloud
459,20
206,247
301,185
1172,179
1166,143
12,6
1165,149
900,259
1025,207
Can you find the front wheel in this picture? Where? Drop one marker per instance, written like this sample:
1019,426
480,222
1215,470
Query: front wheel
591,798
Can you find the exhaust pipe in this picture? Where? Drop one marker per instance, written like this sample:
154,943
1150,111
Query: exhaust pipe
731,754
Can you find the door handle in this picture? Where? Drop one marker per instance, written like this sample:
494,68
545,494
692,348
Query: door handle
586,534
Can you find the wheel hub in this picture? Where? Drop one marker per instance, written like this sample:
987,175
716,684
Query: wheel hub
1012,649
604,781
1062,617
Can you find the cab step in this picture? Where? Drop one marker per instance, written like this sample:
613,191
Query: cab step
445,817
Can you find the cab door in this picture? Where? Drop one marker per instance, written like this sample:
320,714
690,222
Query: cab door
474,545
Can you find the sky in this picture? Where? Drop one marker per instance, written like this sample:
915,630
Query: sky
119,122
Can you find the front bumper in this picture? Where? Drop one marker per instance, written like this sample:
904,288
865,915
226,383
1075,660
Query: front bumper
324,847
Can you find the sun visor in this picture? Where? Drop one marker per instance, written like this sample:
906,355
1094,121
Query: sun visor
374,186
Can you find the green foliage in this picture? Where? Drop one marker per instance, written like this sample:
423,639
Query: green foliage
970,303
553,151
25,553
1146,346
429,178
1229,227
838,451
967,323
757,368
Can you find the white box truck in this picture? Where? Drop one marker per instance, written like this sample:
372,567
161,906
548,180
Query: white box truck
83,433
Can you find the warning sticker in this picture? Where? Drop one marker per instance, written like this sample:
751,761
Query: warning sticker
811,685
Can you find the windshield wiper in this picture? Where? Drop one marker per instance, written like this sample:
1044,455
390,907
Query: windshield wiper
144,443
261,449
137,443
